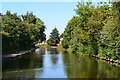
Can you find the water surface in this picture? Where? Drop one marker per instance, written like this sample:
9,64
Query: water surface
51,63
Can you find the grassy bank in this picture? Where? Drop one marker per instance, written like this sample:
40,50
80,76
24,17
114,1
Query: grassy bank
42,46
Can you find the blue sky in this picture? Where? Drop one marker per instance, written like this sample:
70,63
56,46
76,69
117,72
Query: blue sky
53,14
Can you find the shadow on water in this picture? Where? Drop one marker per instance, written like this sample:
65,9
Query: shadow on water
50,63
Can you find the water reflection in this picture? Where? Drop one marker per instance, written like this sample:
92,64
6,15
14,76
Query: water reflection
53,66
54,57
26,61
40,51
22,66
50,63
86,67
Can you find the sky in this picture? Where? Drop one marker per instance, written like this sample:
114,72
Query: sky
53,14
56,0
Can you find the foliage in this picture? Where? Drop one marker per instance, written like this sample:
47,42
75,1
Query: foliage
67,35
95,30
54,38
20,32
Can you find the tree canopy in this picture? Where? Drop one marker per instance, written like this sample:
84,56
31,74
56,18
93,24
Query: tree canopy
20,32
54,38
95,30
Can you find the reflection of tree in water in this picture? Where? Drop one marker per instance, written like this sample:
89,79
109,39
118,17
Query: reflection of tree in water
40,51
54,57
26,61
53,51
66,62
24,65
79,67
85,67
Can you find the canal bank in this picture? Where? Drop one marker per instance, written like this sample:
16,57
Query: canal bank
18,53
108,60
9,57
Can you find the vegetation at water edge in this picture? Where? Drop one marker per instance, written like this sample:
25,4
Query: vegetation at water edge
95,30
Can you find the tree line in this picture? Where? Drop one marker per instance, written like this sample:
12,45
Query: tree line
21,32
95,30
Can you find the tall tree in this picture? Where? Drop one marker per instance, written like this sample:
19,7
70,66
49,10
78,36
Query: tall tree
54,37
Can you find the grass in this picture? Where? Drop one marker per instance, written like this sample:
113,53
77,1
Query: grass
42,46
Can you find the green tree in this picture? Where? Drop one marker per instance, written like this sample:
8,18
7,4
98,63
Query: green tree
21,32
67,35
54,38
109,45
95,30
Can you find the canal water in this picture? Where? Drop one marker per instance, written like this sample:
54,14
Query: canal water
51,63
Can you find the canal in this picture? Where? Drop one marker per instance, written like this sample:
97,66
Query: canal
51,63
